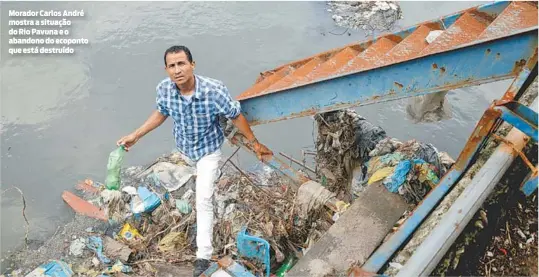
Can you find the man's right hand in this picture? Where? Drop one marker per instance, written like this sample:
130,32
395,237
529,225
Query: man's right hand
128,141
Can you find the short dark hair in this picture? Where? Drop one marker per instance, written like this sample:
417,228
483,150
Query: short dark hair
178,49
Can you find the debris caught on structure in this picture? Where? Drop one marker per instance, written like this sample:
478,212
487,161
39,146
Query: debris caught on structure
347,141
344,141
411,168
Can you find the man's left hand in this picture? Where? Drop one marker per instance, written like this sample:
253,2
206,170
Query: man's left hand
262,152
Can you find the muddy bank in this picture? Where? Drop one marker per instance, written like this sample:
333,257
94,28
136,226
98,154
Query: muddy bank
502,237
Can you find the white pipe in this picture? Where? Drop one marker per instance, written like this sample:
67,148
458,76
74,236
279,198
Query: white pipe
431,251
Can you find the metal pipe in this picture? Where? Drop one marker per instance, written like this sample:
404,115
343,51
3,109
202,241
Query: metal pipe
297,162
432,250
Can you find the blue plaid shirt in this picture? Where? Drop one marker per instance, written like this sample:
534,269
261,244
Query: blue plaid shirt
196,120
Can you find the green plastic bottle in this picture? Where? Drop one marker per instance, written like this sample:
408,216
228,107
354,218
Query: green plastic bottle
287,265
114,165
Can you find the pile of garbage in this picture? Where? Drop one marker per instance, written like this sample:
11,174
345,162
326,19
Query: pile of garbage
348,142
411,168
365,15
149,214
344,141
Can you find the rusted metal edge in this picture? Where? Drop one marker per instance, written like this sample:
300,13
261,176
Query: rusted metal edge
529,79
339,75
484,63
522,81
518,151
483,128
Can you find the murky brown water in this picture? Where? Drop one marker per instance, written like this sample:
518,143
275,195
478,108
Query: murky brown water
62,115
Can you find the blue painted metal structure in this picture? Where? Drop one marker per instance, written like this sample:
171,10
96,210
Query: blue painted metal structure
521,117
480,61
475,64
524,119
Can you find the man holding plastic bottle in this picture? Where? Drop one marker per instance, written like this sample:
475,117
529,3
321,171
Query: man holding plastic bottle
196,103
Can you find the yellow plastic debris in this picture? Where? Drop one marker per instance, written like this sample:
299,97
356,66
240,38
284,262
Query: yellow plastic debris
381,174
130,233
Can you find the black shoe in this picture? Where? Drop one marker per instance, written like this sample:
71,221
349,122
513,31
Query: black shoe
200,266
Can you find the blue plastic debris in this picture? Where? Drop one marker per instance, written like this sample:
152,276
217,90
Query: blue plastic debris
53,268
399,175
96,244
147,201
253,247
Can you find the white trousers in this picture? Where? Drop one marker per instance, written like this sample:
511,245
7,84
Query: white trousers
207,171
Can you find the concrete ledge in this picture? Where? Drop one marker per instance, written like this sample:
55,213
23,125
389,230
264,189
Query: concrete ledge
355,235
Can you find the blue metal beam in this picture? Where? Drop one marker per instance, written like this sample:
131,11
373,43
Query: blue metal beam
523,111
471,65
519,121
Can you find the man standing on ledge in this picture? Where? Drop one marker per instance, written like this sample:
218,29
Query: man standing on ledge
195,103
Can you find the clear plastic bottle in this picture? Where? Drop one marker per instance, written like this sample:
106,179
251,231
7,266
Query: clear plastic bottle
114,165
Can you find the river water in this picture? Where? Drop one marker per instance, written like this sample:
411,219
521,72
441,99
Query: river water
62,115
